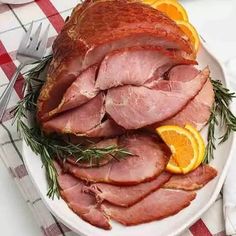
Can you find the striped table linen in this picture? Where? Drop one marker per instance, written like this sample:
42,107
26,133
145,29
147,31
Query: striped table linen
14,20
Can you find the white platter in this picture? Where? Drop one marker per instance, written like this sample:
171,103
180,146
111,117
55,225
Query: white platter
173,225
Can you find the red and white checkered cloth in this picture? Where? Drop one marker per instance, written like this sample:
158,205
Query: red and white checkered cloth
14,20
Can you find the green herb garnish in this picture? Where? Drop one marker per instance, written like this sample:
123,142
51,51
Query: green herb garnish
221,116
50,148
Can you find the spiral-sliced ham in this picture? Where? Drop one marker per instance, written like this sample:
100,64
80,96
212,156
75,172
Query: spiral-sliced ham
147,106
136,65
86,38
157,205
118,66
149,159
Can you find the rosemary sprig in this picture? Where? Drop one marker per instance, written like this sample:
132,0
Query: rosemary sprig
220,116
50,148
38,147
210,147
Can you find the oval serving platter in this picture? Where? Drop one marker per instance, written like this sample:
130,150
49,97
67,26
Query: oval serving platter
179,222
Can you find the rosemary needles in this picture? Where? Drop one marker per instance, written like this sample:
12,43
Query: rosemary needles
220,116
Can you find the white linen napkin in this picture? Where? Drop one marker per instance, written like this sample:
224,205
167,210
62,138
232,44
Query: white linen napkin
229,189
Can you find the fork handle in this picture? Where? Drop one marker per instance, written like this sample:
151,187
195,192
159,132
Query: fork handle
5,97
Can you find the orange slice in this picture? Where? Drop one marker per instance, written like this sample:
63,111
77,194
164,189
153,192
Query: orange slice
200,142
172,9
183,146
191,32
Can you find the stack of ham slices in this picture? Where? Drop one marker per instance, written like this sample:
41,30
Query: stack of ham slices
119,70
132,191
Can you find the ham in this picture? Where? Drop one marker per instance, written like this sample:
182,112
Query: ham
197,111
157,205
119,66
129,195
141,104
78,120
106,129
149,159
81,91
183,73
95,162
134,66
86,38
81,203
193,180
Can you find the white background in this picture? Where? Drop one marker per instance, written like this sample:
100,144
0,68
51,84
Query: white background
215,20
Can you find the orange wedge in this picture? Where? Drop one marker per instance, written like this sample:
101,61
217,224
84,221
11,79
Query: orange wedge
191,32
183,146
200,142
172,9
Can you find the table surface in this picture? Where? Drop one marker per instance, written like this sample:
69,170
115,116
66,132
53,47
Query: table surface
214,19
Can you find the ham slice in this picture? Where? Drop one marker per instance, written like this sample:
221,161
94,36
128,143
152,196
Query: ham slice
157,205
81,91
124,203
82,204
86,38
197,111
134,66
129,195
193,180
183,73
149,159
78,120
141,104
106,129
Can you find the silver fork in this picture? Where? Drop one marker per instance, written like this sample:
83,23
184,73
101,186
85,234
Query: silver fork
32,48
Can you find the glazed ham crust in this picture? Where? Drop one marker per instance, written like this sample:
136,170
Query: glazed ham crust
86,38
